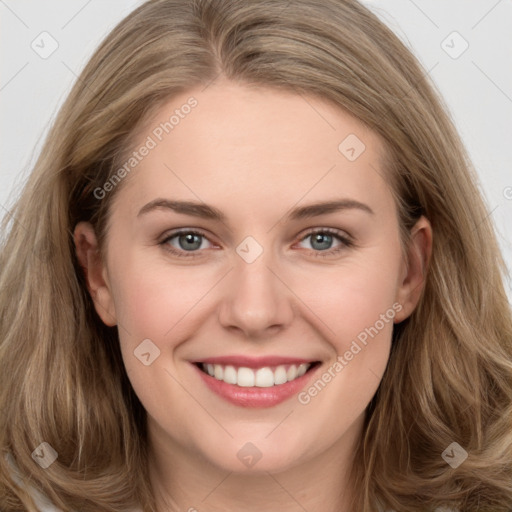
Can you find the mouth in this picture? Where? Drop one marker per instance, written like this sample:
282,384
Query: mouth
255,382
263,377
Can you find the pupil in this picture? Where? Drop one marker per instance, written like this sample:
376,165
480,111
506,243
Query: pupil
323,237
190,240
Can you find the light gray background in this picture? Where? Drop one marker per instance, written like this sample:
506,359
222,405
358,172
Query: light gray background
476,85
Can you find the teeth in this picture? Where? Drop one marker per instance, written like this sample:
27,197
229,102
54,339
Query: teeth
246,377
230,375
291,373
302,370
265,377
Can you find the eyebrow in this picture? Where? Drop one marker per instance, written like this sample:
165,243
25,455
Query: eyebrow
205,211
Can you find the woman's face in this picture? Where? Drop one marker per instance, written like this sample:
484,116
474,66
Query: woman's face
295,265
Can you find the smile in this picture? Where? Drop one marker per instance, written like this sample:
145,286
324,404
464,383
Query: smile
261,378
255,382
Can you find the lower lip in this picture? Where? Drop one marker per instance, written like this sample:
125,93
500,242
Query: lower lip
254,396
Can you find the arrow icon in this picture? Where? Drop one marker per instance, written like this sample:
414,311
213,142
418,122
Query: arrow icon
247,252
44,455
351,147
249,455
454,455
147,352
452,45
41,45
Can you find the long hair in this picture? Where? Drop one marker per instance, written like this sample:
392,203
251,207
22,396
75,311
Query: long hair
449,376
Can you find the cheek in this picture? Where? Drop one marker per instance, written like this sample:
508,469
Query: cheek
152,299
353,297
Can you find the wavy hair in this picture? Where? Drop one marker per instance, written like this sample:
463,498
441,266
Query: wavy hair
449,376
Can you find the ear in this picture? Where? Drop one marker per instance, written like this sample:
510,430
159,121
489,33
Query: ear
414,269
95,272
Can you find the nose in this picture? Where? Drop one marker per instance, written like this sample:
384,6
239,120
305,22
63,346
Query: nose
256,300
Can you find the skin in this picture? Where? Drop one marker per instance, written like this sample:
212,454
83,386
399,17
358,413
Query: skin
254,153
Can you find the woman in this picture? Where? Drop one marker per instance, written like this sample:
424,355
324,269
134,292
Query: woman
256,281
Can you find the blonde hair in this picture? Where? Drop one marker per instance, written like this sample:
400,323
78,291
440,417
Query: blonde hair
62,378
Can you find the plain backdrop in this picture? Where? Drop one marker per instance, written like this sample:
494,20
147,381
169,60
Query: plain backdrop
465,47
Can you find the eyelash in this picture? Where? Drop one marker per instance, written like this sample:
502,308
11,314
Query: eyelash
345,242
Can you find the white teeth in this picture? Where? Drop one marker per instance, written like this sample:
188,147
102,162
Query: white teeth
280,376
302,370
265,377
230,375
218,371
245,377
291,373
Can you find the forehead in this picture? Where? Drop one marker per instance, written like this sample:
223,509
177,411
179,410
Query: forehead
232,140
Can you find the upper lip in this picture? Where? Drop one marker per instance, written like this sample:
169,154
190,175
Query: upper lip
254,362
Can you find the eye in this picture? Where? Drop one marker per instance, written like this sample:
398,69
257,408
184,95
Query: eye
323,238
185,243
